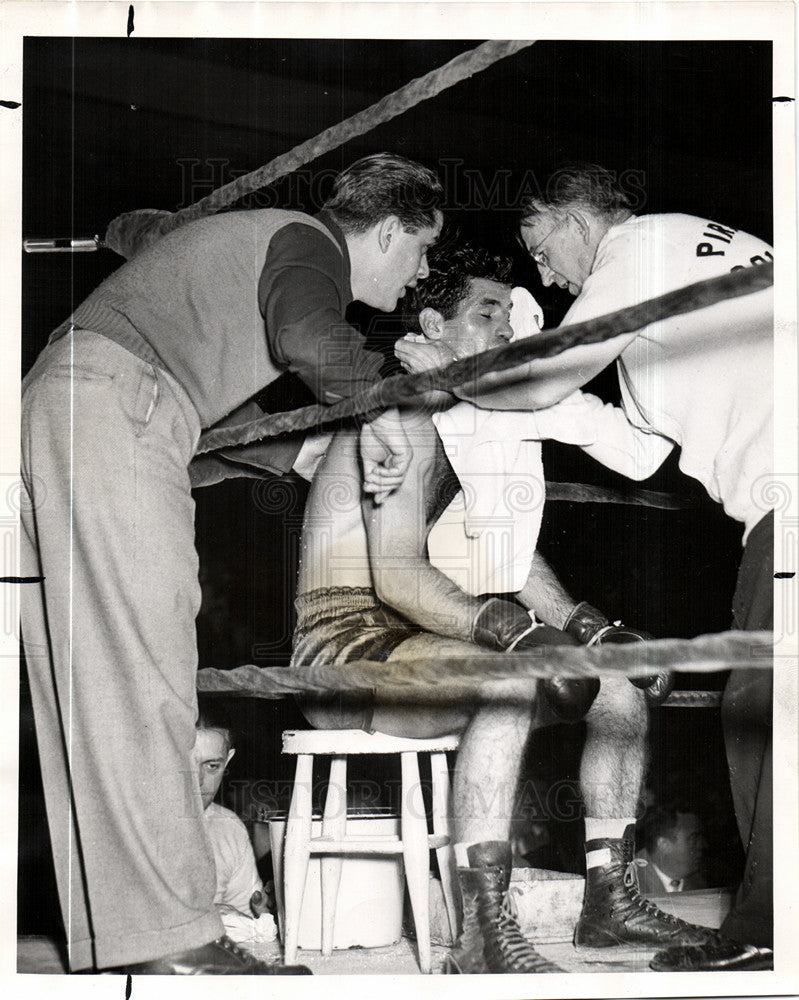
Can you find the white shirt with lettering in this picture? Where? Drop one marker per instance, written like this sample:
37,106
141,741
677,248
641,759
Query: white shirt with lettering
703,379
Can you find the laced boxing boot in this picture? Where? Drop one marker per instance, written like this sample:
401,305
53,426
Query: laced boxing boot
466,957
615,913
491,940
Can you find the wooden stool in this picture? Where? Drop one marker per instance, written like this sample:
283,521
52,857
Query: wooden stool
413,844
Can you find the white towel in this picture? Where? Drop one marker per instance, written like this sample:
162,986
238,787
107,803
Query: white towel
485,540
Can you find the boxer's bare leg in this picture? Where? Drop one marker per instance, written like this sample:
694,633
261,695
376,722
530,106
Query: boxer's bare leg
487,768
424,713
614,755
494,727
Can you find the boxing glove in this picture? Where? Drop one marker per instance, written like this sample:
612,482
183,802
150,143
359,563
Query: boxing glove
503,625
591,628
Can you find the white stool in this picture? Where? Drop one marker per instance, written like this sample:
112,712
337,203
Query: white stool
413,844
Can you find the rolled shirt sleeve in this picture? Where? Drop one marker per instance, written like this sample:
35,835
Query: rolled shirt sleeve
604,432
303,293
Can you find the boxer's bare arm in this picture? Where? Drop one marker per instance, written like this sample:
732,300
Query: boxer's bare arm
333,546
544,594
397,533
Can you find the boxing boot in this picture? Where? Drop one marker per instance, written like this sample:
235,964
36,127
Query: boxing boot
504,947
615,913
466,957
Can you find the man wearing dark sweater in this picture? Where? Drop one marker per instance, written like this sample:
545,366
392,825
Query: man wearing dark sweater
177,339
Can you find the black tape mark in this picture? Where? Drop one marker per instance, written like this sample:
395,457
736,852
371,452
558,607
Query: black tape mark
784,576
128,981
21,579
783,99
13,105
130,20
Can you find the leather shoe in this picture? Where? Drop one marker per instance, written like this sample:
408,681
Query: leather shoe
718,954
217,958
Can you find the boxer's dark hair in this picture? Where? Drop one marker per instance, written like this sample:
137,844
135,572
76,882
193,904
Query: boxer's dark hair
453,262
384,184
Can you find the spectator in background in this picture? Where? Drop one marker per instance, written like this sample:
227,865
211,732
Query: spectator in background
240,899
671,859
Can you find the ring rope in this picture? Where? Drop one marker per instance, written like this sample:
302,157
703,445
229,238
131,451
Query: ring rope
447,678
633,497
396,103
403,388
693,699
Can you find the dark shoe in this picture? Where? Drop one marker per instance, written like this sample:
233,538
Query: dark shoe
218,958
504,947
615,913
718,954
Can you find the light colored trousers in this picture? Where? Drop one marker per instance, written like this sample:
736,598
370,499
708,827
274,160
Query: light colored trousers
111,649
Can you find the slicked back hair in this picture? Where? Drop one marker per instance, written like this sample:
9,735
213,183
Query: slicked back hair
384,184
453,262
661,821
207,722
584,185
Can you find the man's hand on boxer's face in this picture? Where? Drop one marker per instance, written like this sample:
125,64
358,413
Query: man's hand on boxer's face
418,355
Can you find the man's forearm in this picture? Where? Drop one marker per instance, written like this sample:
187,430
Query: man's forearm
516,389
544,594
546,381
427,598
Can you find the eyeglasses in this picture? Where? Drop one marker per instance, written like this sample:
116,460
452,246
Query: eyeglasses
539,256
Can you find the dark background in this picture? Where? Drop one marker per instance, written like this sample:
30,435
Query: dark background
112,125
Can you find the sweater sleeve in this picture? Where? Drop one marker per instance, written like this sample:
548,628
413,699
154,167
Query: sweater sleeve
303,293
271,455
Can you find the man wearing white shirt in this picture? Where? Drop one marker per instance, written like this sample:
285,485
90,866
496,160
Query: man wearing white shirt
704,380
239,897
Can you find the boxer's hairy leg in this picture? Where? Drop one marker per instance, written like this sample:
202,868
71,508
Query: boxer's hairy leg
487,771
615,751
423,712
494,724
